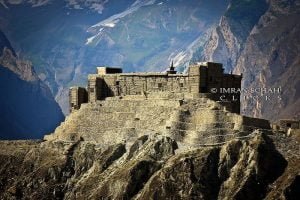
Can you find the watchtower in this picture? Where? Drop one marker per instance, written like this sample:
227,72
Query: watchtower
204,76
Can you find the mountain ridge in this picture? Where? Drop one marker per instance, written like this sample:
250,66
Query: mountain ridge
264,56
68,46
55,43
27,107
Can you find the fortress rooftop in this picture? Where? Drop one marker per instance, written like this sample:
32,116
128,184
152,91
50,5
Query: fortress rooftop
201,78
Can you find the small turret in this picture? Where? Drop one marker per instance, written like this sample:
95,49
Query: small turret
172,69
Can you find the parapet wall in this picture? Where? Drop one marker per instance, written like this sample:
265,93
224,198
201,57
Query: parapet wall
202,78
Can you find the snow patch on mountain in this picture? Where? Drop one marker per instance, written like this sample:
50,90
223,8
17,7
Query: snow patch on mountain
178,58
3,4
113,20
182,58
96,5
92,39
37,3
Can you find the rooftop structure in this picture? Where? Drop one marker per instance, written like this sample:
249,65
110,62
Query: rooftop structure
203,78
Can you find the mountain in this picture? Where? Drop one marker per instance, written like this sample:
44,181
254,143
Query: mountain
157,146
259,39
52,36
149,36
27,107
271,59
66,40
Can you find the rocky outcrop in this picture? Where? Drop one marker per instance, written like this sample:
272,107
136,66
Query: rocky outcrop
149,168
233,171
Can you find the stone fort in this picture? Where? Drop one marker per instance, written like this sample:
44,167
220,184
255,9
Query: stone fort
202,78
190,107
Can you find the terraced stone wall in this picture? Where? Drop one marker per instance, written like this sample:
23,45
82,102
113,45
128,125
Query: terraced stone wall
190,121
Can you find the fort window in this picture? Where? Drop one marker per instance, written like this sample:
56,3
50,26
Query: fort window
159,85
91,89
289,125
181,84
203,89
117,82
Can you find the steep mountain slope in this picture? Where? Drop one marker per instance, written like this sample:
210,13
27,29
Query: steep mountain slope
67,43
150,36
227,39
52,36
27,107
66,40
260,39
271,59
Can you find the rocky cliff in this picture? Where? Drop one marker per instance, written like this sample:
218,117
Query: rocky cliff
27,107
259,39
163,146
150,168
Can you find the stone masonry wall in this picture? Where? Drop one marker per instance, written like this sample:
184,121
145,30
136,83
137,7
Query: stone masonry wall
191,121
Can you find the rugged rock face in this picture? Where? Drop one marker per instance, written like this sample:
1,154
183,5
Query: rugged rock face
215,173
27,107
260,39
160,147
150,168
227,40
271,59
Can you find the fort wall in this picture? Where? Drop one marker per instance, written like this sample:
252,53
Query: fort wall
119,107
77,95
202,78
190,121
